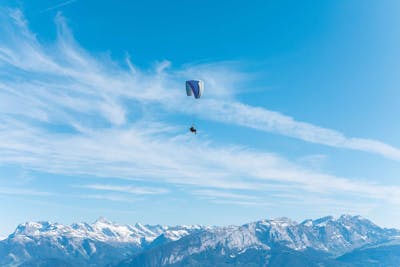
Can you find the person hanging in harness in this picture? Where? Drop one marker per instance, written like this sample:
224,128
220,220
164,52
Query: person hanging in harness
193,130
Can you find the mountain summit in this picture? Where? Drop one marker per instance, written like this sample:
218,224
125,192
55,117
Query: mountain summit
323,241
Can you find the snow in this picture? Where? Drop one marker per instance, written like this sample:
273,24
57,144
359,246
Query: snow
92,248
327,234
101,230
175,234
308,223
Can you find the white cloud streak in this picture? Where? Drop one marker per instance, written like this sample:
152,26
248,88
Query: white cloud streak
62,85
221,194
87,86
62,4
270,121
136,190
109,197
16,191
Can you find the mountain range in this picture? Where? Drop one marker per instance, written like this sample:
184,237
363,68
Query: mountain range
328,241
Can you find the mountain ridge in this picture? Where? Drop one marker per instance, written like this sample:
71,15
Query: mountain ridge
104,243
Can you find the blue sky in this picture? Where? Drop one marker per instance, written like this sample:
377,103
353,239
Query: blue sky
298,118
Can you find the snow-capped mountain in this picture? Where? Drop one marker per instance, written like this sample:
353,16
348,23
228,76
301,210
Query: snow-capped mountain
323,242
335,236
102,230
96,244
324,239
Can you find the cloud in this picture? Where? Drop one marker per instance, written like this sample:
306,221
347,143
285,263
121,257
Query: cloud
59,5
270,121
85,85
230,198
240,203
16,191
109,197
65,111
136,190
221,194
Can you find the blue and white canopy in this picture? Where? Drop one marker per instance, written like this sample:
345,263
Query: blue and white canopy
194,87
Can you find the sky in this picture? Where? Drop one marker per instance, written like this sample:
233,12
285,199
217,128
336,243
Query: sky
299,116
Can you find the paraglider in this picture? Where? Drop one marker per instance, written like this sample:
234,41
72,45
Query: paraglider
195,88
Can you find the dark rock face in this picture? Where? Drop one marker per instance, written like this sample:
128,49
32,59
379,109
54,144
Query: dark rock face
380,256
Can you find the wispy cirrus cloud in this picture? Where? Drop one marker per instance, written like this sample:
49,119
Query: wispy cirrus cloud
21,191
61,4
271,121
109,197
86,85
136,190
65,111
229,197
221,194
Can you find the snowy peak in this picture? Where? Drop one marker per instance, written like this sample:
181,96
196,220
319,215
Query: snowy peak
37,228
102,220
103,230
103,241
283,220
343,220
96,243
327,235
323,221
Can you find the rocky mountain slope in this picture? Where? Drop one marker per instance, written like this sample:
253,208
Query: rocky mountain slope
345,241
264,242
83,244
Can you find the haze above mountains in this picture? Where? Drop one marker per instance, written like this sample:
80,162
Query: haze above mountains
344,241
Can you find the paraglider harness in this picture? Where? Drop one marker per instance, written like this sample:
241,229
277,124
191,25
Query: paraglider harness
193,130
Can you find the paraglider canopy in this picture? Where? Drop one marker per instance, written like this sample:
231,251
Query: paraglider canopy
194,87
